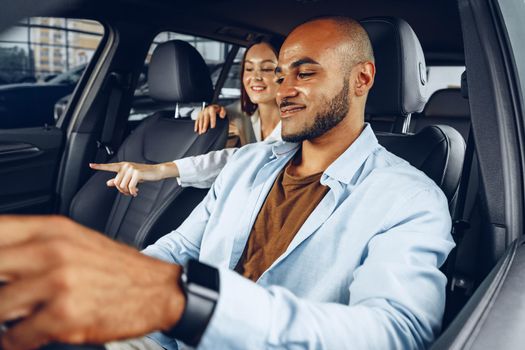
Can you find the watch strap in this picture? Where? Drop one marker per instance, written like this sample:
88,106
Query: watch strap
200,284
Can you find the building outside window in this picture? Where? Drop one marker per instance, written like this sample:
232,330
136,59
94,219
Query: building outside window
26,48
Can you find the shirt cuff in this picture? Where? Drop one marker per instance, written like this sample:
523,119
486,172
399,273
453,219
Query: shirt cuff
241,319
187,171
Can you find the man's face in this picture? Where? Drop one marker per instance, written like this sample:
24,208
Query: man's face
313,95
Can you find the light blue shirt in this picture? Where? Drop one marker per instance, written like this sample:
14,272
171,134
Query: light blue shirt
361,273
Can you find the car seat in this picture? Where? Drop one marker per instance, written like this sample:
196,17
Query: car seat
177,74
400,90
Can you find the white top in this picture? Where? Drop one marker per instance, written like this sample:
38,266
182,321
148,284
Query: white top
275,135
202,170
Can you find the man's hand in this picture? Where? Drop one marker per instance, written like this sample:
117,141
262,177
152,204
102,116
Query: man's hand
67,283
129,174
208,118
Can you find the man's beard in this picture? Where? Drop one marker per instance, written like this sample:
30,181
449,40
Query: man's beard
332,113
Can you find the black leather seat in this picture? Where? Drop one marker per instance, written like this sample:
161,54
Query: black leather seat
177,74
400,90
437,150
447,107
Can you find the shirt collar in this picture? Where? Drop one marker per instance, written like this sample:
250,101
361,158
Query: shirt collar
282,148
346,165
275,134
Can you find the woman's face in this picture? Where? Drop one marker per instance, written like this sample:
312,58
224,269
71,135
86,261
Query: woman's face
259,74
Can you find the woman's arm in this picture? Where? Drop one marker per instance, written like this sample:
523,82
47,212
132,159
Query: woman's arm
201,171
198,171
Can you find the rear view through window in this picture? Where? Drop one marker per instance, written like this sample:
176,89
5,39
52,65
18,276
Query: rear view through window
41,62
444,77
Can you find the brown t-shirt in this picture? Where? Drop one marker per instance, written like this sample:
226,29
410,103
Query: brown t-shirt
289,203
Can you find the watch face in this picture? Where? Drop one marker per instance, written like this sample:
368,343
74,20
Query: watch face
202,275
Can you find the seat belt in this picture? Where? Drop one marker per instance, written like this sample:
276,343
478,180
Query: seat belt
104,145
224,73
462,285
461,219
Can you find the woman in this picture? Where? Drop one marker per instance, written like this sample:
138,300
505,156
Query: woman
255,118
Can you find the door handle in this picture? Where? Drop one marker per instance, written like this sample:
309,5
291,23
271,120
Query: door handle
17,150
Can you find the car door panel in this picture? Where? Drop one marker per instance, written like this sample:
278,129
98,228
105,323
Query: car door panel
494,316
28,165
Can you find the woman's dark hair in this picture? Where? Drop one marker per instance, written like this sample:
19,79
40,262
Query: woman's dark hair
247,106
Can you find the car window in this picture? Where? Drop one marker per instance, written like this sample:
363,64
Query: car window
42,60
511,11
214,54
443,77
68,77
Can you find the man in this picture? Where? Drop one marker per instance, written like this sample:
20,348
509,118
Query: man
342,238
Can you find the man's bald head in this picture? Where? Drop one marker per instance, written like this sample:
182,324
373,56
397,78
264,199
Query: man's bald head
354,45
358,40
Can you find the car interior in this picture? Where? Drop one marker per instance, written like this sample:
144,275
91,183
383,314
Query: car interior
468,137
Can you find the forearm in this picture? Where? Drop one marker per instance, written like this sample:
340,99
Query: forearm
173,248
168,170
274,317
167,294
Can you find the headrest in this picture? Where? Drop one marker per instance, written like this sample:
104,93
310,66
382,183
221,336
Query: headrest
447,103
464,85
400,83
178,73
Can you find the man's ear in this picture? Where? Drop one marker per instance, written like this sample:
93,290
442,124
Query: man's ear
365,78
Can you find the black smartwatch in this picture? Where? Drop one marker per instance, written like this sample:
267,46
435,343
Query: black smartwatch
200,284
